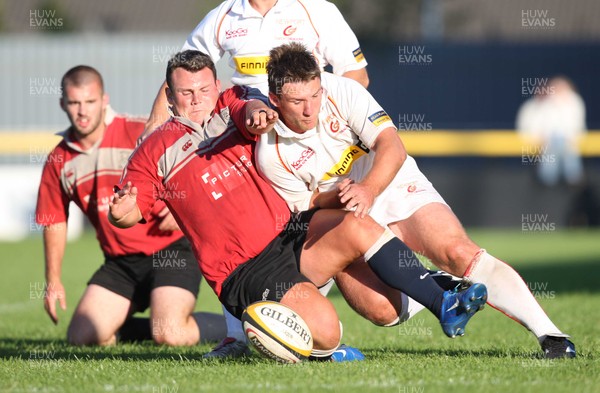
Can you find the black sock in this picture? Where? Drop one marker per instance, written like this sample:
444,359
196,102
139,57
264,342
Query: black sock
135,329
212,326
397,266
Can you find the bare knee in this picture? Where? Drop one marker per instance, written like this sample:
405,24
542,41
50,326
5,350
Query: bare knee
362,232
170,332
318,313
83,332
456,256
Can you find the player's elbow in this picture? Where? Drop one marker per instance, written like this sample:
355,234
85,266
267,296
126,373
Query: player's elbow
364,80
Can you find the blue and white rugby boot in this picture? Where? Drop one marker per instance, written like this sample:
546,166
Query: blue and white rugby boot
345,353
459,306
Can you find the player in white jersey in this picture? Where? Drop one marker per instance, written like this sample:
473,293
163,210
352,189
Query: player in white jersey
248,29
335,146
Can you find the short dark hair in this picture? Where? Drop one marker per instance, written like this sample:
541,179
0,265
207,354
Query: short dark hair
189,60
290,63
81,75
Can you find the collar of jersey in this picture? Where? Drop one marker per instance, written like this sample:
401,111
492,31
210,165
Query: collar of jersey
244,8
283,131
109,116
192,124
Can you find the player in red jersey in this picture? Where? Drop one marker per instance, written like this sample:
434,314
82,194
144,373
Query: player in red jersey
247,243
147,266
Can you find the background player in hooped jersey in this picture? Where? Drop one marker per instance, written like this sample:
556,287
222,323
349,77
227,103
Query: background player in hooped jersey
150,265
247,245
335,146
247,30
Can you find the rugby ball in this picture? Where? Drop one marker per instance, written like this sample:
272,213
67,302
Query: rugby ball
277,332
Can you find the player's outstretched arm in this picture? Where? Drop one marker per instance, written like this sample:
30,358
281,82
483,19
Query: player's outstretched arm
55,238
124,211
159,113
360,75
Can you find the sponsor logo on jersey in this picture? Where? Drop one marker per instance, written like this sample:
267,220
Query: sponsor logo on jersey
378,118
304,156
358,55
289,30
411,188
344,166
224,176
251,65
333,122
234,33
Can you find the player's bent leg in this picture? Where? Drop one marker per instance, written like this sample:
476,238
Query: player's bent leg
338,238
434,231
318,313
342,239
171,316
368,295
98,316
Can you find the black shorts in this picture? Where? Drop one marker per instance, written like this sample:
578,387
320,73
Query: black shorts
270,274
135,276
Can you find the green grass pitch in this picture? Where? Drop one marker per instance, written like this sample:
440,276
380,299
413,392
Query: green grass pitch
496,355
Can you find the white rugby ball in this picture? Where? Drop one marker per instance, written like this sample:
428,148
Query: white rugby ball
277,332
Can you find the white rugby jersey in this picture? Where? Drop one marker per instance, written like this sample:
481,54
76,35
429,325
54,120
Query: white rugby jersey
238,29
297,164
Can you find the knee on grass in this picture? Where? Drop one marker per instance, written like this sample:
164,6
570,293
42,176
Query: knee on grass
81,334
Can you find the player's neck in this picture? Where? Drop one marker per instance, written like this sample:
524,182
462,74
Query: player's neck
262,6
88,141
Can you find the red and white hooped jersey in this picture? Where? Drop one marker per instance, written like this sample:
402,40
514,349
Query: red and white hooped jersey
236,28
349,122
87,178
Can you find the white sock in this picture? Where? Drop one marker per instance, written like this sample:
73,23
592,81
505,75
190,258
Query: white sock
234,326
325,288
326,353
410,308
508,293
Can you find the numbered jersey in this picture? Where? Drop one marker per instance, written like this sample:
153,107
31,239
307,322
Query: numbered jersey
239,30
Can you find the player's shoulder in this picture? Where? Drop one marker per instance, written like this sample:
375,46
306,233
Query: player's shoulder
227,7
124,128
323,6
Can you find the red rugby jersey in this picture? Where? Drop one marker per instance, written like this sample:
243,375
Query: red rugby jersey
87,177
208,178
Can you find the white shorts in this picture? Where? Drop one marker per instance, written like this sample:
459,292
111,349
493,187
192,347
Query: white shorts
408,192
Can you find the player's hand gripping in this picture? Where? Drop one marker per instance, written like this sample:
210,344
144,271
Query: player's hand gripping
261,120
54,291
356,196
123,203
